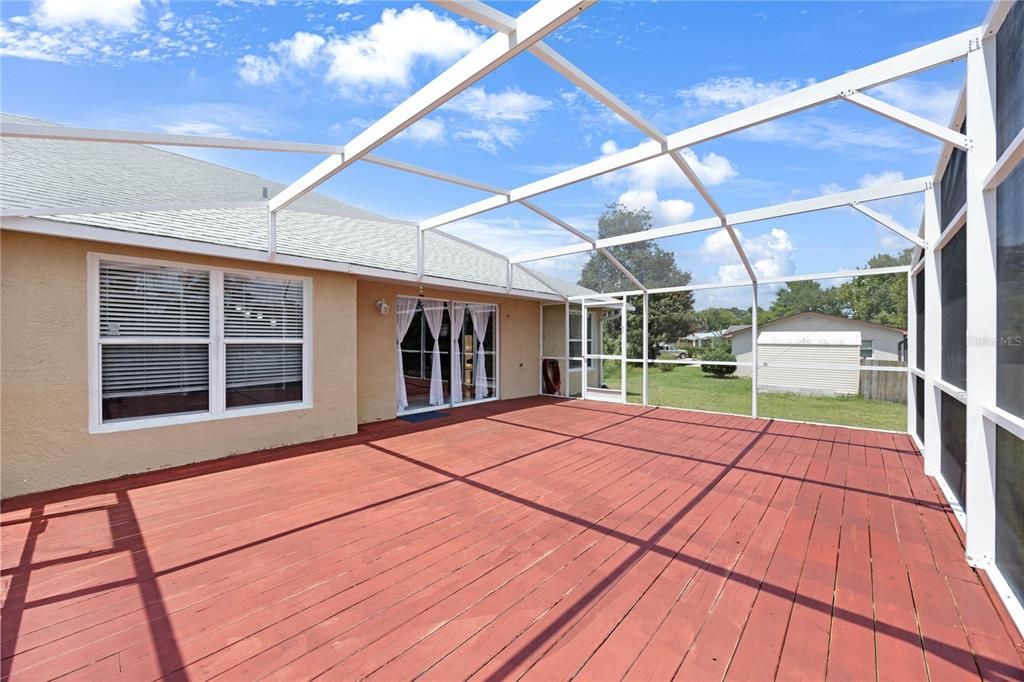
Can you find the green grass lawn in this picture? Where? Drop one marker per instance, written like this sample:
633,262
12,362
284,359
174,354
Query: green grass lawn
688,387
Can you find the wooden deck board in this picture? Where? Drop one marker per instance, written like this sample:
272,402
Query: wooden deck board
536,538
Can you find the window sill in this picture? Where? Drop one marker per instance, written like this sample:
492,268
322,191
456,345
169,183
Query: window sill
175,420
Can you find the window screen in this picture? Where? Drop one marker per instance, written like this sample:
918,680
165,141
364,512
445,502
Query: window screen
954,447
1010,509
919,405
1010,217
919,305
954,310
953,187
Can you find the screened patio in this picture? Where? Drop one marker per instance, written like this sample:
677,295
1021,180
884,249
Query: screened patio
846,486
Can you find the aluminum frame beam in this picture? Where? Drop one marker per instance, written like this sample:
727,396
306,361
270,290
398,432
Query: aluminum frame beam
55,132
488,16
887,222
919,123
908,63
532,25
52,132
820,203
1006,163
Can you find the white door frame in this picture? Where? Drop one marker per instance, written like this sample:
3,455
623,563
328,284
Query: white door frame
606,395
448,404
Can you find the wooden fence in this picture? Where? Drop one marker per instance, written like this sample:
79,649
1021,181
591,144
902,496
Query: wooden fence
888,386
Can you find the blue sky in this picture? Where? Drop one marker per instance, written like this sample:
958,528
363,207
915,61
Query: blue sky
321,71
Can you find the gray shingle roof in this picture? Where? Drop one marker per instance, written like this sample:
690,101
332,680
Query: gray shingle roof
58,173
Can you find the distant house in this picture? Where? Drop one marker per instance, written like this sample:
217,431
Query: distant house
700,339
811,334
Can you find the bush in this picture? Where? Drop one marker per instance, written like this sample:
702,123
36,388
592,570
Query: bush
664,367
720,355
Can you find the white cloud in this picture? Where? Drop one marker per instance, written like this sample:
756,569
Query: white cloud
383,56
493,116
511,104
770,255
639,184
201,118
35,46
663,211
256,70
712,169
108,33
932,100
166,21
814,131
513,236
426,130
302,49
675,210
491,137
737,92
883,178
206,128
117,14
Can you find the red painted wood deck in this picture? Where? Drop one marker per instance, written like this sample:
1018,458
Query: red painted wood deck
533,538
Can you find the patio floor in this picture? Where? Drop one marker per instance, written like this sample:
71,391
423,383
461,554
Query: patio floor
534,537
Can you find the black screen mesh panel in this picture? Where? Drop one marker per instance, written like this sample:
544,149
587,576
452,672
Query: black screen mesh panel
954,447
953,187
1010,78
1010,217
954,310
919,312
919,405
1010,509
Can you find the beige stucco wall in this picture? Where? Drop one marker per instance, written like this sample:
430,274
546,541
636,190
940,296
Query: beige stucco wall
44,384
518,344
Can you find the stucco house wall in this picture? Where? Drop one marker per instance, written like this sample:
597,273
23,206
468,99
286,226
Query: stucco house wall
44,425
885,340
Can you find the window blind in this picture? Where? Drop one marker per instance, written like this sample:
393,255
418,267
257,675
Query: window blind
257,307
153,369
263,364
153,301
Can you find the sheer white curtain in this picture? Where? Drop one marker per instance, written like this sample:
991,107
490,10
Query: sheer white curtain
458,313
481,315
433,311
406,311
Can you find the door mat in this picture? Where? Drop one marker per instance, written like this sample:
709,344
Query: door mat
423,416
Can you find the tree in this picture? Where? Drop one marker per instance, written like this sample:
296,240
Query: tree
881,299
803,297
670,316
717,319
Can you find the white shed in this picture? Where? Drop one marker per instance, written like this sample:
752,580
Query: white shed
835,356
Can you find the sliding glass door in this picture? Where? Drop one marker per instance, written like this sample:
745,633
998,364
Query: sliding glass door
447,353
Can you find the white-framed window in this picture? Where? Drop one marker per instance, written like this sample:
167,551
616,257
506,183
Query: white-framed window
173,342
867,350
